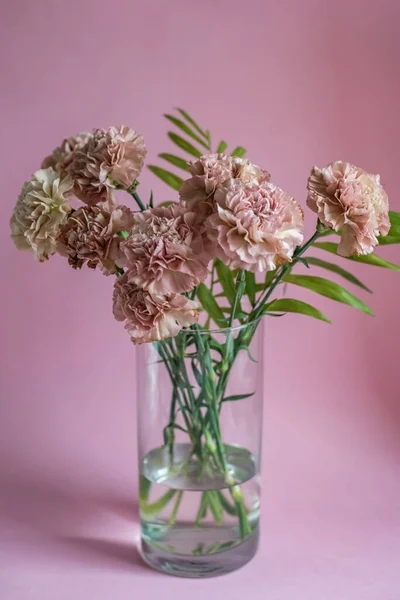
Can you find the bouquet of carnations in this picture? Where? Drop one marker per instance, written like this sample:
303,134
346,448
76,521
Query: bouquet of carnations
186,270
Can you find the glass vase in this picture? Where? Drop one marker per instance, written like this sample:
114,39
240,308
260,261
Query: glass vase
200,401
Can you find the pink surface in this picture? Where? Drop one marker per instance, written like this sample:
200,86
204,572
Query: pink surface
297,83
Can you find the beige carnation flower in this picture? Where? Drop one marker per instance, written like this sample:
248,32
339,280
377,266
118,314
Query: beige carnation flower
111,158
40,212
151,317
210,170
165,253
348,199
257,226
61,157
90,235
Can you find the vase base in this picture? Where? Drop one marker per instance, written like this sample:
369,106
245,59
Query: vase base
201,566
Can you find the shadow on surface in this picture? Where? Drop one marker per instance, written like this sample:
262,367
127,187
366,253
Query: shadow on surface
104,553
54,520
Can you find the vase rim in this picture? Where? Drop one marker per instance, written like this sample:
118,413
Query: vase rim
222,329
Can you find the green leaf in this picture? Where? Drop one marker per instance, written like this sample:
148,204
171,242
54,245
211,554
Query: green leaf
175,160
394,218
317,262
393,237
377,261
303,261
190,120
184,145
388,239
222,146
226,280
269,277
237,397
251,287
151,200
246,349
214,345
226,505
152,510
328,288
239,151
181,125
368,259
210,306
295,306
197,373
169,178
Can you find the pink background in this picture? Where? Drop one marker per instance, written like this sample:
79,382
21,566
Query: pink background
298,83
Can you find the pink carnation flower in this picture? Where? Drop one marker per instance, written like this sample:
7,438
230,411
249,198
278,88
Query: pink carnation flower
348,199
151,317
40,212
210,170
165,253
256,227
61,157
90,235
111,158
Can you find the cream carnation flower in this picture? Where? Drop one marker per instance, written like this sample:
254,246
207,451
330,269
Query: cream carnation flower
256,227
90,235
40,212
61,157
165,253
349,199
111,158
151,317
210,170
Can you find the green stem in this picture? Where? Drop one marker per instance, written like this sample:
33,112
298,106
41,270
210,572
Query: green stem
201,513
182,404
215,506
257,312
138,201
172,519
152,510
238,294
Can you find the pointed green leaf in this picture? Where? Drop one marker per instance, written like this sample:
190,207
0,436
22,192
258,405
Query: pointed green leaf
237,397
190,120
317,262
175,160
169,178
394,218
377,261
303,261
181,125
368,259
389,239
226,280
393,237
286,305
239,151
184,145
222,146
151,200
152,510
251,287
328,288
210,306
327,246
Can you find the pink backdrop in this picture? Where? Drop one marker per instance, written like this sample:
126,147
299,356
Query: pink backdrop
297,83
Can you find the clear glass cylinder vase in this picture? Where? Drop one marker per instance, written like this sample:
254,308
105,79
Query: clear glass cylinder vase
200,398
